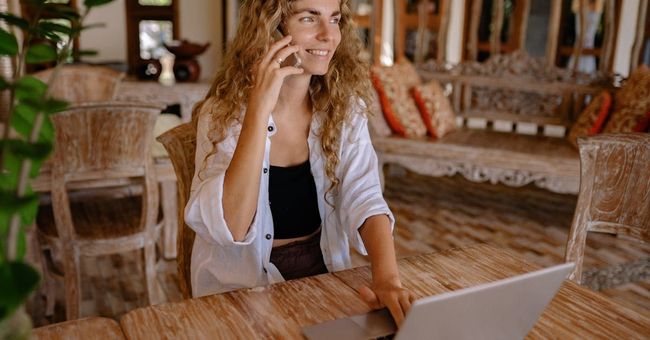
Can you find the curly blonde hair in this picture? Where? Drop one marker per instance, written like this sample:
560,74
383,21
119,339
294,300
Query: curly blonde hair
333,94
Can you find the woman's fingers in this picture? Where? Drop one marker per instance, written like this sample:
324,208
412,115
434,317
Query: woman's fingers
369,297
405,300
395,308
284,53
275,47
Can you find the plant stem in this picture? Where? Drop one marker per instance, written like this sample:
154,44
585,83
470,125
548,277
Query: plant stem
26,165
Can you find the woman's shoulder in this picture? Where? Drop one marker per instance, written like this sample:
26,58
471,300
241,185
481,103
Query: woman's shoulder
358,113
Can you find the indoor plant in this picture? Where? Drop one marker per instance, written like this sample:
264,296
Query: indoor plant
27,135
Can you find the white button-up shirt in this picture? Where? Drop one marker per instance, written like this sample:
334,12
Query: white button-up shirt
220,264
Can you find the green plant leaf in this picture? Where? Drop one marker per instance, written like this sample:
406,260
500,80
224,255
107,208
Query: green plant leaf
36,151
54,105
54,10
47,131
17,281
10,203
48,26
95,3
8,43
14,20
4,84
23,119
40,53
82,53
29,87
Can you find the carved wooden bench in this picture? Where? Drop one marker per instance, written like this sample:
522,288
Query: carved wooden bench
513,114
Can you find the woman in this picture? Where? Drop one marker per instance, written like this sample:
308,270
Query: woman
286,175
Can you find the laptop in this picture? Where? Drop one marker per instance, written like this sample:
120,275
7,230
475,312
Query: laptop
504,309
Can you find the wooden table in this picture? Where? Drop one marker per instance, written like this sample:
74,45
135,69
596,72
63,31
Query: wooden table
87,328
279,311
166,177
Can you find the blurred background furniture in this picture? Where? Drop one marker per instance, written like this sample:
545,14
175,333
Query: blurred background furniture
97,146
180,143
83,83
614,192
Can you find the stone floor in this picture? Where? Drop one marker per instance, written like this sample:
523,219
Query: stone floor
432,214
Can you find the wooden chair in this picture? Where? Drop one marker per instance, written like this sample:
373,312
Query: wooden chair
83,83
101,146
614,191
180,143
80,329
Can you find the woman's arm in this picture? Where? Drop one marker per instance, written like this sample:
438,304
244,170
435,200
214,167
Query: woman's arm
242,179
386,289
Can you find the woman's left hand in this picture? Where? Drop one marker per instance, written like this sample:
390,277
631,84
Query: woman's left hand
388,293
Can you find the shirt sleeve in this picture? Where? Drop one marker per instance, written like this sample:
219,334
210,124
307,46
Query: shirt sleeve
360,195
204,209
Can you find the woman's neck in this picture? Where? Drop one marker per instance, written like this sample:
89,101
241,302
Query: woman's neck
294,96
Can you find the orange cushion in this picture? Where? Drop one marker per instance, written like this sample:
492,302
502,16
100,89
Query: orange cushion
435,109
631,103
393,85
591,119
643,124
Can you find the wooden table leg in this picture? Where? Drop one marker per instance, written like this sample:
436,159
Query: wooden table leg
169,202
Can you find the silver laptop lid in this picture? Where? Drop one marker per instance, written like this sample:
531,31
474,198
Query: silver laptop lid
504,309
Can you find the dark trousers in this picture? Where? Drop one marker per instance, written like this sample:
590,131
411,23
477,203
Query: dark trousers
299,259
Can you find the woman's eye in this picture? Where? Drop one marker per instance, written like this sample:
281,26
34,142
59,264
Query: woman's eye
336,20
307,19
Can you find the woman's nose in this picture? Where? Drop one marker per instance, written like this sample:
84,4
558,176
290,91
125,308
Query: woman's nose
326,31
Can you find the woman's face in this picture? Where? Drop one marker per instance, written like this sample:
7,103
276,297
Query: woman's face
314,26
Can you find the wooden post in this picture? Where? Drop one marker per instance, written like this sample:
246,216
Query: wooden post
553,32
523,24
377,29
497,27
472,48
579,44
640,32
608,40
443,31
6,69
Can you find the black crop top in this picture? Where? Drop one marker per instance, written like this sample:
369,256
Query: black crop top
294,204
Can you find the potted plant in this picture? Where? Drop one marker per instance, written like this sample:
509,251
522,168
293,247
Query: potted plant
27,136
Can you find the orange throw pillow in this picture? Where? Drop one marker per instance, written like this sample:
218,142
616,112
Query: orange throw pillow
632,102
591,119
435,109
393,85
643,124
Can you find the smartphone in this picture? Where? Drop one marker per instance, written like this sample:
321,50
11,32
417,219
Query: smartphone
293,59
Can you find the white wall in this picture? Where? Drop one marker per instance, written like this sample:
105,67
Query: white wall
200,21
109,41
626,32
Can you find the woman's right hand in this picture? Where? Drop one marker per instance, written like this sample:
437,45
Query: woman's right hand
269,76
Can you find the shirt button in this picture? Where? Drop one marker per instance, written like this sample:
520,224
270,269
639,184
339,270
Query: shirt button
270,128
266,170
268,236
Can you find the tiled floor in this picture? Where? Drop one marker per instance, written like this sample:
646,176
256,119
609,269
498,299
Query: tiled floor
432,214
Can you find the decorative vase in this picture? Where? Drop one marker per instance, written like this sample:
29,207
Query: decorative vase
167,74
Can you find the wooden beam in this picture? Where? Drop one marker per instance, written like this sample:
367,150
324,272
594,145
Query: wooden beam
377,29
